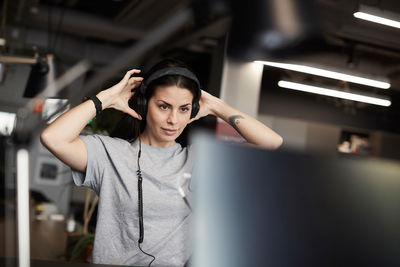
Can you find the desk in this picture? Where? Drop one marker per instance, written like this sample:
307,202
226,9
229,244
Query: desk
48,239
11,262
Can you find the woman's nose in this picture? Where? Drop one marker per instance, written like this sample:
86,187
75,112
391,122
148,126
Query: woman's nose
172,117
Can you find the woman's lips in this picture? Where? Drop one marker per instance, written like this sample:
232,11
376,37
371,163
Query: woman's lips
169,131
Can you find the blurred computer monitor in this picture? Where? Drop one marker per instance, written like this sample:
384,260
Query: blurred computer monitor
274,208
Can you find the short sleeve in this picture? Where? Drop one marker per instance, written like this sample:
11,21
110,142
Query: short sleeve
96,162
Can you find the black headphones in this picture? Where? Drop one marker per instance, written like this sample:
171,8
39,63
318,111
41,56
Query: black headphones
142,101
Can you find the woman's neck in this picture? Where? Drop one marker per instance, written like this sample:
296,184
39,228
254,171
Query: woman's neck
148,140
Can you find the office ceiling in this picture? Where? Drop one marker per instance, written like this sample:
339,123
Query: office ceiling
122,22
101,29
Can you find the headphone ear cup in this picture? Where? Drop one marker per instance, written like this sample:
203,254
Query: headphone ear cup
196,104
141,105
195,109
141,102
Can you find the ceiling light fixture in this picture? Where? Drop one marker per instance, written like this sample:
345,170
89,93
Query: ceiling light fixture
378,16
377,19
7,123
335,93
327,74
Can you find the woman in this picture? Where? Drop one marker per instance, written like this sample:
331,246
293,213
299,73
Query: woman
141,215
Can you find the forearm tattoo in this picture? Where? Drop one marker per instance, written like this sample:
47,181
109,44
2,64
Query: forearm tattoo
234,121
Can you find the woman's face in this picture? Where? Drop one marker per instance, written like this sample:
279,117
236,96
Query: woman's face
168,113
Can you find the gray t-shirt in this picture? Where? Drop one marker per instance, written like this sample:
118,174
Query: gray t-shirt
111,173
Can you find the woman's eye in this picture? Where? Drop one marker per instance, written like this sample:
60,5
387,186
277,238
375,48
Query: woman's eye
163,107
184,109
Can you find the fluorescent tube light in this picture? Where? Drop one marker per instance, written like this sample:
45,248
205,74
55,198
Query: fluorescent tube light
334,93
7,123
378,15
377,19
327,74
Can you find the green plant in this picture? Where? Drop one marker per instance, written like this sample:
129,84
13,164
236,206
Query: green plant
80,246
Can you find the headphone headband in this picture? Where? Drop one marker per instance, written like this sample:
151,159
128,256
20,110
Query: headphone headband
172,71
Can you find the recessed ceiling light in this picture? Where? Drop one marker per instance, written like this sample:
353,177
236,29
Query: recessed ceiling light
379,16
335,93
328,74
377,19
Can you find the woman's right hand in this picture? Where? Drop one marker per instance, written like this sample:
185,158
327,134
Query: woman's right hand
117,96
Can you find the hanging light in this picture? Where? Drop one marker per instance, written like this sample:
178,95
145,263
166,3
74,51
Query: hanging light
43,74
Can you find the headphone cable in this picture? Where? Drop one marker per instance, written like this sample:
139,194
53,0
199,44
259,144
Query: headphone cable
140,205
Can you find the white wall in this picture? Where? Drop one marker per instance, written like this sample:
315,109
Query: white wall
57,190
309,136
240,86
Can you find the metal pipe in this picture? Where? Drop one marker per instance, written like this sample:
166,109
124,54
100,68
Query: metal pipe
20,60
86,25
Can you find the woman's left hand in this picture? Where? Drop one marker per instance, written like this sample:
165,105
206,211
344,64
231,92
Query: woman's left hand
206,105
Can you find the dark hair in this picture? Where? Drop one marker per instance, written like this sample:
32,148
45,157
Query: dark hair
130,128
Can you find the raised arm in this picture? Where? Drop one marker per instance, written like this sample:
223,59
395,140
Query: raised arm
252,130
62,136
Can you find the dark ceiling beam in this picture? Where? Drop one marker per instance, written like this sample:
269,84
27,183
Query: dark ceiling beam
126,11
150,13
70,48
373,46
20,10
72,3
85,25
214,30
